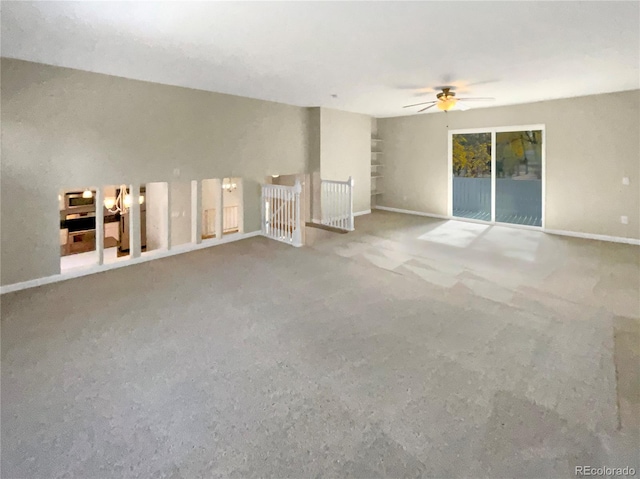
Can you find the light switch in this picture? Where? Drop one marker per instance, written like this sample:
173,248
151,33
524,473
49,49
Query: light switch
176,172
624,220
625,181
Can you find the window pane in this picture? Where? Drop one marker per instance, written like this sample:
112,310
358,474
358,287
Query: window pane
472,176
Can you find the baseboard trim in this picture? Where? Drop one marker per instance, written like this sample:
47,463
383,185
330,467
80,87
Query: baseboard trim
411,212
152,255
611,239
360,213
573,234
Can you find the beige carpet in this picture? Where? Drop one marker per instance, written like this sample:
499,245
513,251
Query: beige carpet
409,348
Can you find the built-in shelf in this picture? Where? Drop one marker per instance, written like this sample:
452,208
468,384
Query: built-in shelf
376,174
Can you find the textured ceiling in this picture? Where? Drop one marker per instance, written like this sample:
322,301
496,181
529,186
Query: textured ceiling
375,56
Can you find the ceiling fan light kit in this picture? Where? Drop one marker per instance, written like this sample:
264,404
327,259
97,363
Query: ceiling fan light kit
446,100
446,105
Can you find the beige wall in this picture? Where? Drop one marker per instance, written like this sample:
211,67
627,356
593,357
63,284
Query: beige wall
63,127
313,167
592,142
339,147
345,150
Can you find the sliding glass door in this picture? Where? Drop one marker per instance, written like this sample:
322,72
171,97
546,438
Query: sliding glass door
496,175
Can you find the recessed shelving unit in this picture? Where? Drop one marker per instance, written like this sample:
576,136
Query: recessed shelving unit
376,166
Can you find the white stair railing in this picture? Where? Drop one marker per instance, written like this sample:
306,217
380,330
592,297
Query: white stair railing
230,223
337,203
281,213
209,223
230,219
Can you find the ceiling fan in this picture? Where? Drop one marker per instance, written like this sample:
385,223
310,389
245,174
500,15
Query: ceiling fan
446,100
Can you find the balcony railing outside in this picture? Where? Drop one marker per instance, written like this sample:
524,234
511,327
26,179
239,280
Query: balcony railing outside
518,201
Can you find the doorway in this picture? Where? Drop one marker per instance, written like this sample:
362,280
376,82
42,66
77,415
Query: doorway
211,201
232,206
497,175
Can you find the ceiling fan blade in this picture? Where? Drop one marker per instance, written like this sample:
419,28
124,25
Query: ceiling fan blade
461,107
481,82
478,99
423,103
430,106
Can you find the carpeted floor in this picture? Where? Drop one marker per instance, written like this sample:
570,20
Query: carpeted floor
410,348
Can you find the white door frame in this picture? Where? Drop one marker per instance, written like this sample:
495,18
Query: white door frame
493,130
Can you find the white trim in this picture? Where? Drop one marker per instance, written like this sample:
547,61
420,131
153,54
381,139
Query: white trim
411,212
100,224
149,256
574,234
543,192
135,228
168,213
591,236
219,209
494,174
497,129
360,213
196,211
450,173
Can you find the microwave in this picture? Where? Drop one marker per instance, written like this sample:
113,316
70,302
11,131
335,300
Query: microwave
76,201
